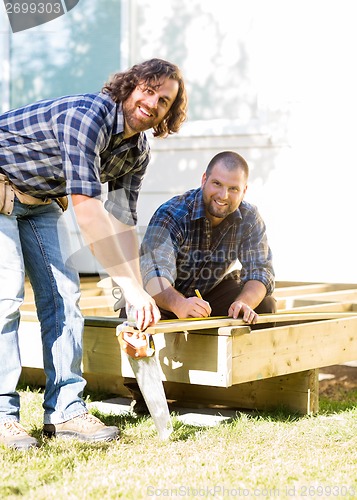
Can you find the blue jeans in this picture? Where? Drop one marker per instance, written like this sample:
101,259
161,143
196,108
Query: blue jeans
34,238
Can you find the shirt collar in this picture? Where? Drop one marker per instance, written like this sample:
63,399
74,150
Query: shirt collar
138,140
119,121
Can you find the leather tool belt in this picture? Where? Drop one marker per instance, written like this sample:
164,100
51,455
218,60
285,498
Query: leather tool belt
8,192
7,196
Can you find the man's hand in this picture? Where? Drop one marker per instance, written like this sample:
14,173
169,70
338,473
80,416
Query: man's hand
252,293
168,298
240,308
192,307
143,311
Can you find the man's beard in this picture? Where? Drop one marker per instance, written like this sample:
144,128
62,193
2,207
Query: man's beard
133,120
219,212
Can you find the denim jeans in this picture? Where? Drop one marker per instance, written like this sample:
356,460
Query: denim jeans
34,239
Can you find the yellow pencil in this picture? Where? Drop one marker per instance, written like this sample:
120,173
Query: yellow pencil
197,292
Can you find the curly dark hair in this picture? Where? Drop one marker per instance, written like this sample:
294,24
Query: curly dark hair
121,85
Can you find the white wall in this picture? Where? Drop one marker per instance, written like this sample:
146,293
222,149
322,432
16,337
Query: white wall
302,64
274,80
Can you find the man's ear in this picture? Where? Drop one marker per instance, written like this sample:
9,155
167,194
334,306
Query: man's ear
204,178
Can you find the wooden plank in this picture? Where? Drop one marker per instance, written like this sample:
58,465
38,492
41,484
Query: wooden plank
304,289
289,284
344,295
316,306
94,292
207,323
297,393
282,291
198,358
91,301
290,349
99,306
215,326
100,312
104,382
96,382
220,361
33,376
203,359
192,359
101,351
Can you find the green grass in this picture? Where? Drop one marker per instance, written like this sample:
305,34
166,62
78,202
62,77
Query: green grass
254,455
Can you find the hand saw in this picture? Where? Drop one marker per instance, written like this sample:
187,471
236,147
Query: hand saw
140,349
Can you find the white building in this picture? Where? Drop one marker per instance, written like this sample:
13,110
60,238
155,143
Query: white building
273,80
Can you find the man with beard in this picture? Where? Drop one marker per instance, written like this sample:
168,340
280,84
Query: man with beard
192,244
49,150
193,241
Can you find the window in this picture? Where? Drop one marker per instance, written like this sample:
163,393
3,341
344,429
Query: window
72,54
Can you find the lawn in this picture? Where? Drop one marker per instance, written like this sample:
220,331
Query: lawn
254,455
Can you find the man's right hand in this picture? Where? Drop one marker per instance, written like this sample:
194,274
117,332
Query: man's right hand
143,308
192,307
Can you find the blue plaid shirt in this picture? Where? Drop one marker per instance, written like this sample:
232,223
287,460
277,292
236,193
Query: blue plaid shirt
181,245
72,145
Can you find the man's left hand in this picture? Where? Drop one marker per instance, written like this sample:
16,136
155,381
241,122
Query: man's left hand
239,308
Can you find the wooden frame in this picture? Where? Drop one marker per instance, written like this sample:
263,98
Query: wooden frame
222,361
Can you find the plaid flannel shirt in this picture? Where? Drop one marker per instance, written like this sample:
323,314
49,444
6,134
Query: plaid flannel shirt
72,145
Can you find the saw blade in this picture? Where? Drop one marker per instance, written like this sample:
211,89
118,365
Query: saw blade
147,374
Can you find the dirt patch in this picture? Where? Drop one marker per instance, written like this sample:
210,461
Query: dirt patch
337,381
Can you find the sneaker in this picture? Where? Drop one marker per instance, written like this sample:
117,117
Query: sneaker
85,427
13,435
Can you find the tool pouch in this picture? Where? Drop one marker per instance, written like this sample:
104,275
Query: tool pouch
8,192
6,196
27,199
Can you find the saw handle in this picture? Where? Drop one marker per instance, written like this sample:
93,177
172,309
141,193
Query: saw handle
135,343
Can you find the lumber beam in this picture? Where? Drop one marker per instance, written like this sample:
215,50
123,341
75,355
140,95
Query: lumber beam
296,393
316,306
290,349
300,289
209,323
101,351
231,356
218,361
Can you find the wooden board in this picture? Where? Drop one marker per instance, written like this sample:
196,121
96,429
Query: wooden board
296,393
225,360
294,348
220,360
209,323
332,296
